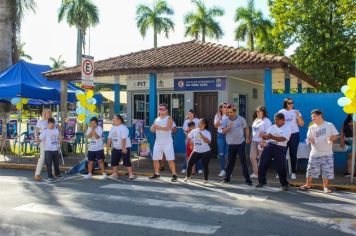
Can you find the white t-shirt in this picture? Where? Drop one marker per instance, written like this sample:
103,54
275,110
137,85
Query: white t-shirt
163,136
50,137
258,127
96,144
283,131
199,145
223,117
291,119
43,124
185,124
320,134
117,134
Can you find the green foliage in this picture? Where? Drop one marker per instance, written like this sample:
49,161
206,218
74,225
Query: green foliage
325,33
156,17
57,63
202,22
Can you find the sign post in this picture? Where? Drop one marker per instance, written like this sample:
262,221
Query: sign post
87,69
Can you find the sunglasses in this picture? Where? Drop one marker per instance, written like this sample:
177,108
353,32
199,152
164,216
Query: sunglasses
290,103
162,109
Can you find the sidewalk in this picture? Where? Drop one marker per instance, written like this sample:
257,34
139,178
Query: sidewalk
143,167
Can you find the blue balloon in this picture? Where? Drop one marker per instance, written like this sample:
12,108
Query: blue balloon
80,110
87,120
91,101
343,101
87,112
78,92
78,104
14,101
344,88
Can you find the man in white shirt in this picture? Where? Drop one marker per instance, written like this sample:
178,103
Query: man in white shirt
321,136
277,138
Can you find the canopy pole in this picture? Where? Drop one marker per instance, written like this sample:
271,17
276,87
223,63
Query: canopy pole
19,134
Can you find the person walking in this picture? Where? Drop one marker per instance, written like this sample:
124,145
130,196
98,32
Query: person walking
277,138
259,127
346,136
294,120
120,144
200,138
234,127
221,138
320,136
162,126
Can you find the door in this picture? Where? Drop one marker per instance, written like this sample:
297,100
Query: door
206,105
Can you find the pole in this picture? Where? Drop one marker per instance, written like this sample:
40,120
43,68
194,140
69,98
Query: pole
353,143
19,133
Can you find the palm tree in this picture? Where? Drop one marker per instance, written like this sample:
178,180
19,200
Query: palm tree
202,22
57,63
155,17
22,53
252,24
82,14
5,34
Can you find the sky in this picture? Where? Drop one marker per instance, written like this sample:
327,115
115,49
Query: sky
116,34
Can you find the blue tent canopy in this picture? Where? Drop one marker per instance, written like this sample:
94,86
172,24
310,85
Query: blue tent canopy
25,80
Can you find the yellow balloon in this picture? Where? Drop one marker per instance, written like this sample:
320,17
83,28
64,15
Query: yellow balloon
81,97
310,124
350,93
19,106
349,109
352,83
24,100
83,103
81,117
90,93
91,107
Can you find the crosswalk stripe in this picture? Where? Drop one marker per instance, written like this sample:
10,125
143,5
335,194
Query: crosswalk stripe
333,196
345,208
184,191
100,216
344,225
27,181
227,210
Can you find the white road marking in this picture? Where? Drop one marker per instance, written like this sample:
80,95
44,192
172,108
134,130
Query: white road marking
340,224
184,191
21,180
105,217
345,208
338,197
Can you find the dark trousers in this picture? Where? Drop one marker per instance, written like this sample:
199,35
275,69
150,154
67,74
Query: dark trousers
292,145
194,158
52,157
233,150
278,153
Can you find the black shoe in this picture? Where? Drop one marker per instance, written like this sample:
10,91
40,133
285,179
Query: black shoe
285,188
260,185
162,168
347,174
174,178
225,181
249,183
155,176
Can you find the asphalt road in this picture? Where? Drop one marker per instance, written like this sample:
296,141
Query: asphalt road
74,206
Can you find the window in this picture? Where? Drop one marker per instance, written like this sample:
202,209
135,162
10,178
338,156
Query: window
175,104
243,105
254,93
141,107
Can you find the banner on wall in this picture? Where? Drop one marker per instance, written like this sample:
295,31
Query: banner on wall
31,129
138,130
11,129
69,130
199,84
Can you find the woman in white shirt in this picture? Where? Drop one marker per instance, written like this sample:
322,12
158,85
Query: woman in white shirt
294,120
200,138
259,127
221,138
121,145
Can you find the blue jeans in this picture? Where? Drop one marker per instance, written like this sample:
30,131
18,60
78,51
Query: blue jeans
222,149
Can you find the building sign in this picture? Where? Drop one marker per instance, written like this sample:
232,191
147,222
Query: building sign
165,83
138,85
87,69
195,84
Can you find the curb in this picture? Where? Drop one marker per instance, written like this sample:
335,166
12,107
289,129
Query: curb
123,173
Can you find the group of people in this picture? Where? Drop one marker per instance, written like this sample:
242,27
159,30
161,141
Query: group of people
267,142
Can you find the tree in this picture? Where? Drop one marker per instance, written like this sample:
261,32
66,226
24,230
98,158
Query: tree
156,17
252,25
82,14
5,35
202,22
57,63
325,32
22,53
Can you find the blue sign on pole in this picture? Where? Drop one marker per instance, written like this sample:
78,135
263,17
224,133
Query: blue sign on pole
194,84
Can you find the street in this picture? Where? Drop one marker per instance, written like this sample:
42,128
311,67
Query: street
74,206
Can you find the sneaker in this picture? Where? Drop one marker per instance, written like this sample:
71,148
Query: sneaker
59,177
113,177
347,174
293,176
277,177
222,173
253,176
38,177
205,181
174,178
260,185
131,177
285,188
187,179
249,183
200,171
226,181
183,171
155,176
88,176
104,176
50,179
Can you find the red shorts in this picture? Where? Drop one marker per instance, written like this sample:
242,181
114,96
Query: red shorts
188,151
